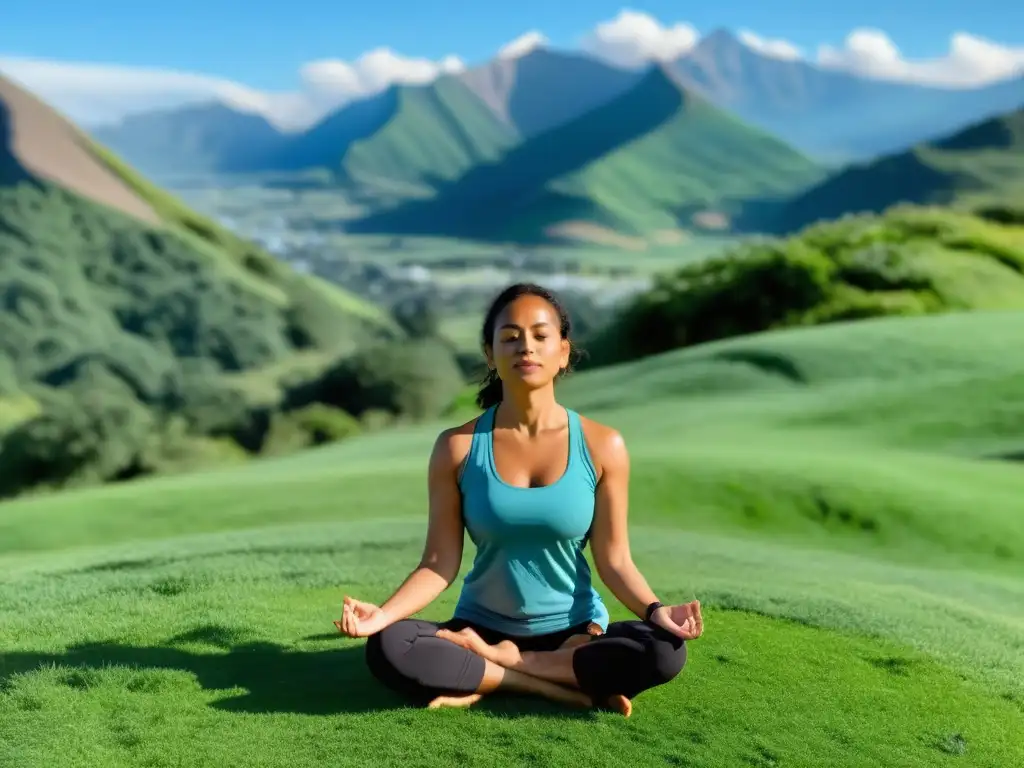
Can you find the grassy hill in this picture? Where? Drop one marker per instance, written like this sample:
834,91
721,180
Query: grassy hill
126,314
979,166
854,538
655,158
910,261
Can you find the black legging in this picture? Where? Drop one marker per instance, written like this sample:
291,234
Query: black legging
629,658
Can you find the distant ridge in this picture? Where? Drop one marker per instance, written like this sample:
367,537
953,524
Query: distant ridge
829,113
979,165
543,89
204,138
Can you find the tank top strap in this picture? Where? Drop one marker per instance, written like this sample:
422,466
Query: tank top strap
483,438
579,454
479,456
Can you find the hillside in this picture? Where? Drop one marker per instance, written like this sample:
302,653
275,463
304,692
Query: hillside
828,113
655,158
981,165
543,88
911,261
117,294
835,530
206,138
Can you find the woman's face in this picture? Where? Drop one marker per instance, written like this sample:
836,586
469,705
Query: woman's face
527,347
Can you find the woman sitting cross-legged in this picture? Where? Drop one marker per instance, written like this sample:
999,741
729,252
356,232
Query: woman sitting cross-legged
532,482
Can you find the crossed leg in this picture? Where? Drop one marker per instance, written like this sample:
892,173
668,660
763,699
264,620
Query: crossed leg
498,678
442,668
409,658
548,666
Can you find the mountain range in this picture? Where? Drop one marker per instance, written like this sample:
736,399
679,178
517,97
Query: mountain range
654,158
532,147
833,116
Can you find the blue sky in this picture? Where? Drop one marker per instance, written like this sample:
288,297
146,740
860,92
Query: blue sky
265,45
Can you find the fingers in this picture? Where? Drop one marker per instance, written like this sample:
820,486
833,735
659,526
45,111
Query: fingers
350,621
692,626
352,611
688,627
698,620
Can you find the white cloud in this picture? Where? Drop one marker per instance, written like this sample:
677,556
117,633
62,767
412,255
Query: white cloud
776,48
970,61
523,45
92,91
373,72
96,93
633,39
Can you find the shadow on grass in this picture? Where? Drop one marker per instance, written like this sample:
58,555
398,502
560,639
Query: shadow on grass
275,678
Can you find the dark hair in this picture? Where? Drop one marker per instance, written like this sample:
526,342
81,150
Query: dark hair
491,389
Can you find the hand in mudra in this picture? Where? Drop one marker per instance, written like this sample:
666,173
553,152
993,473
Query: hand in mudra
682,621
360,619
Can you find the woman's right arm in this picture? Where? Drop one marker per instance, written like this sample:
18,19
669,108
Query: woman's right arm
442,552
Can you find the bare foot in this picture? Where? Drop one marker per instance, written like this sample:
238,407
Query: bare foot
504,654
455,701
620,704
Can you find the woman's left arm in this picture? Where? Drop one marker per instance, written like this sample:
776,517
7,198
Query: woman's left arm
609,539
609,542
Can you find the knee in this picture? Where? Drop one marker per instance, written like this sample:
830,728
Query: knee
666,659
374,653
383,649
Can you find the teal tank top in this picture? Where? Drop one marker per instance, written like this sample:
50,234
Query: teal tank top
529,576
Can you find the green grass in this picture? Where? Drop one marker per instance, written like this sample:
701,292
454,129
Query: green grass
649,160
979,166
832,495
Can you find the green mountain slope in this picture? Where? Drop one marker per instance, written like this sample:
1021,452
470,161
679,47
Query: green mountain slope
406,140
654,158
116,293
982,165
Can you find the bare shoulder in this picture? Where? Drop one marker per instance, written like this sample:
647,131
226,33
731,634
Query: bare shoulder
452,446
606,445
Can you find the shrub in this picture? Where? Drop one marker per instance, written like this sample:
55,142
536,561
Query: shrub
415,379
909,261
94,433
316,424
